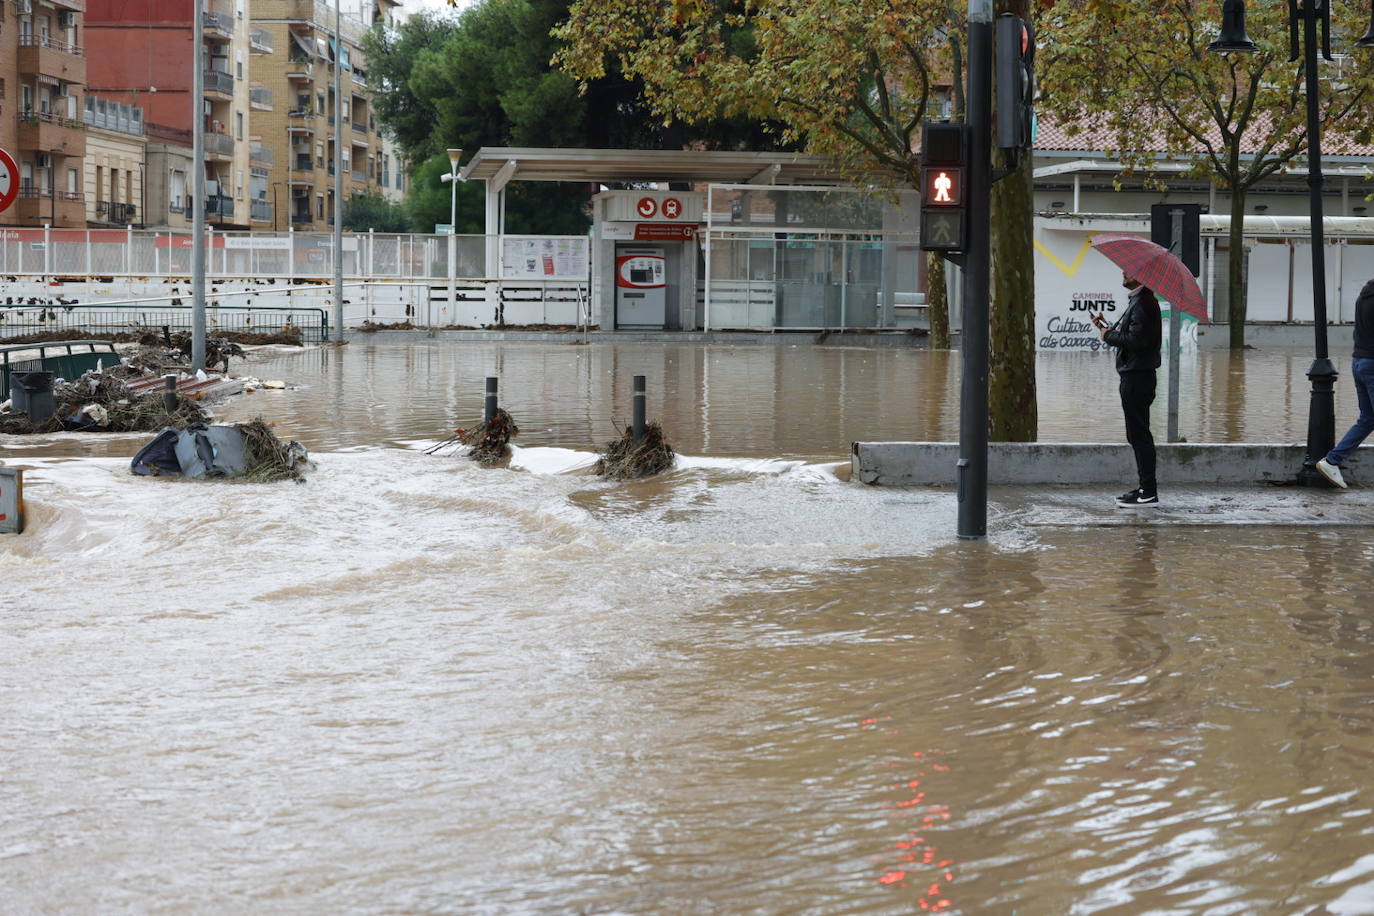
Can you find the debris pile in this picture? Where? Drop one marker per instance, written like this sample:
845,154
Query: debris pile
626,459
241,450
102,402
487,443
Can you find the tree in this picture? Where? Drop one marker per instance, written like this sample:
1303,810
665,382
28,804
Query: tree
1236,119
532,208
373,211
850,79
390,58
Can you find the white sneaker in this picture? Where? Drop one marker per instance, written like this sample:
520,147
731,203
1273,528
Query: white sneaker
1332,473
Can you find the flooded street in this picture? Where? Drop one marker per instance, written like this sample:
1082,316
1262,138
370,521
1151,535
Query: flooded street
412,685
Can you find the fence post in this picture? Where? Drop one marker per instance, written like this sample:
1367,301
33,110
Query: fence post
129,250
88,255
291,259
47,249
371,250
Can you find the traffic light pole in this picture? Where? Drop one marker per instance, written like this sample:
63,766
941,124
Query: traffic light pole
977,263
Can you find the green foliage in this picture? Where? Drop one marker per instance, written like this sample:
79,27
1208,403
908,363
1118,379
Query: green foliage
533,208
373,211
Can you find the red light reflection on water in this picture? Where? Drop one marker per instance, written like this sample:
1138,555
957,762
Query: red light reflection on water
914,860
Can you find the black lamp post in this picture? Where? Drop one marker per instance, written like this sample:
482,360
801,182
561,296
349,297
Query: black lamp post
1321,417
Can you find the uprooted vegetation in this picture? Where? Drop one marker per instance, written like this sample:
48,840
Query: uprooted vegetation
102,402
627,459
488,443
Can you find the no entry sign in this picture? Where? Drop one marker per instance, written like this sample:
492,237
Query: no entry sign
9,180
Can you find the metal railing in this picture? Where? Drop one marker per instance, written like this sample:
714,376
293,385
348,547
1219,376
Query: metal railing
48,193
217,21
221,144
261,155
261,40
111,211
261,210
31,117
129,319
219,206
49,42
261,96
219,81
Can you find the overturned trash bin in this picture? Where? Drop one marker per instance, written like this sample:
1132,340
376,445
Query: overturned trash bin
31,393
247,450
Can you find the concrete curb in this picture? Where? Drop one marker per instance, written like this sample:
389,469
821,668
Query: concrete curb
905,464
895,339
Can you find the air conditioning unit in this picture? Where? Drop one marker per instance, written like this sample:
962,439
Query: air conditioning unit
43,161
66,19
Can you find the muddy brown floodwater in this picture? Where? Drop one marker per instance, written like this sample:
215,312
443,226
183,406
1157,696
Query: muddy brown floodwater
413,685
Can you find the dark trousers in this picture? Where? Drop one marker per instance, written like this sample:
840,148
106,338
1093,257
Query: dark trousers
1137,394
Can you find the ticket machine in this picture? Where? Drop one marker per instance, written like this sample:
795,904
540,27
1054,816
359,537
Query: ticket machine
641,287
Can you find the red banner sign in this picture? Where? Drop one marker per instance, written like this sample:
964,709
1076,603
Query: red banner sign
664,232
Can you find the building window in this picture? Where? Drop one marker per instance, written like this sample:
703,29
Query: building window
238,125
73,181
238,63
319,205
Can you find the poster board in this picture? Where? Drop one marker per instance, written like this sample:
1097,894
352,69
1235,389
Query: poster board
562,257
11,501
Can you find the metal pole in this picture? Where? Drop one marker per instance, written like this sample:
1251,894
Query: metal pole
453,243
338,169
1175,328
489,413
1321,416
973,396
169,393
198,189
638,424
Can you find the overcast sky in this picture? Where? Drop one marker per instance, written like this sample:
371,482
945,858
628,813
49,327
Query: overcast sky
414,6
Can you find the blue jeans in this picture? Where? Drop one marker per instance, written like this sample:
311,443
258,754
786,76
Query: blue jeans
1362,371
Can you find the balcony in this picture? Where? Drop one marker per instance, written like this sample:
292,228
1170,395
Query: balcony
219,146
360,127
120,214
299,70
260,41
39,206
261,155
360,177
76,6
217,25
50,133
260,211
40,56
260,97
222,207
219,84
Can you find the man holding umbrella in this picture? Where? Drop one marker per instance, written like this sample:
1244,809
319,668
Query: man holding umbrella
1136,337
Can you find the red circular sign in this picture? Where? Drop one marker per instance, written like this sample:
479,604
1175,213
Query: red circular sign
672,208
9,180
646,207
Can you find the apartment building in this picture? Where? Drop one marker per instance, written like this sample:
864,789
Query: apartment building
296,62
141,52
116,152
42,81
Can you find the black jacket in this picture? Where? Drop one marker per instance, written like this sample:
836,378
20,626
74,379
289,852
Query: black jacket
1364,322
1136,334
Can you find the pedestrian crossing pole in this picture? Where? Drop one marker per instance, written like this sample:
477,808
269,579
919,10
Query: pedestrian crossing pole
977,264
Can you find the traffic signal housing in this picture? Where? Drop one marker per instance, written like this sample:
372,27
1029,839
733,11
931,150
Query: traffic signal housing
944,170
1162,232
1015,52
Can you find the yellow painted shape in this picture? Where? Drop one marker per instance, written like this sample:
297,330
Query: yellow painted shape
1069,270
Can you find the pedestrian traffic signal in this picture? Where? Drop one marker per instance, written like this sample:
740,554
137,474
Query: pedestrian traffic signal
1015,50
944,167
1162,232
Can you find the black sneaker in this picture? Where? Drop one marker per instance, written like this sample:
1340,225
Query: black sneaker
1137,500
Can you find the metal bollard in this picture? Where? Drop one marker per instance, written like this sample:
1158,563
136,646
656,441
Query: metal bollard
638,424
169,393
489,413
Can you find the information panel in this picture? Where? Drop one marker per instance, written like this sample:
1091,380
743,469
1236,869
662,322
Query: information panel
565,257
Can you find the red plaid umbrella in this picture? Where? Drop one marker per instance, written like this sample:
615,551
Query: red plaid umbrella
1156,268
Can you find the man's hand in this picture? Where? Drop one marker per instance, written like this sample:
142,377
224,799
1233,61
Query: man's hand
1100,323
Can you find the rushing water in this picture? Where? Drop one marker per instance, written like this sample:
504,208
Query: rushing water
416,686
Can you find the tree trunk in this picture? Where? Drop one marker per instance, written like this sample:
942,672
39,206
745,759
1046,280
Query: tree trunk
1011,335
937,301
1235,274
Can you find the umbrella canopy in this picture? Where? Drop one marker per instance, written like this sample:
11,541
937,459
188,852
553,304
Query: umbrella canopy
1156,268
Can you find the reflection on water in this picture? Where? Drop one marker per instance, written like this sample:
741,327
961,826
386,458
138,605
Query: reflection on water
412,685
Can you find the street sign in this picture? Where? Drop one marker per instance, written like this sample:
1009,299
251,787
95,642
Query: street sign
672,208
11,501
9,180
665,232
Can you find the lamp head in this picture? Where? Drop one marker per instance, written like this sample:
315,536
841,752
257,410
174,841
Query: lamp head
1233,37
454,157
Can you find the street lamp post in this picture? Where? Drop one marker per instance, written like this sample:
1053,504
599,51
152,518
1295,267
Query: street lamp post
1321,416
451,178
